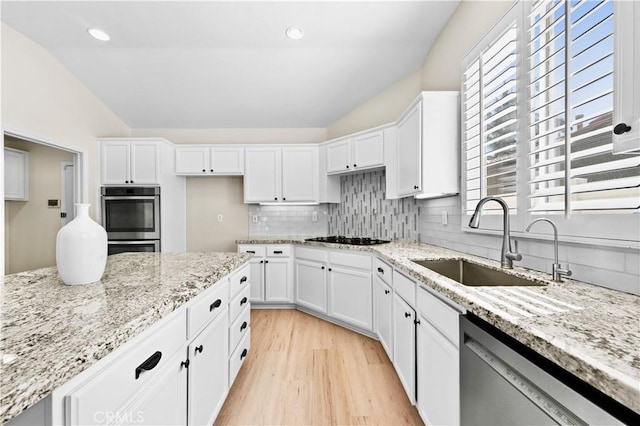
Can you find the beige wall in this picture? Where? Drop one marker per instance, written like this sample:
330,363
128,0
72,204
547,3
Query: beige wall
31,226
440,70
208,197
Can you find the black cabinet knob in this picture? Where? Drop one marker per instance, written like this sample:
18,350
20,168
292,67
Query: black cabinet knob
407,314
262,261
243,279
284,198
199,349
126,181
347,166
322,267
243,326
130,181
355,165
381,270
243,354
415,186
185,364
621,128
243,301
211,170
203,170
386,292
266,261
275,198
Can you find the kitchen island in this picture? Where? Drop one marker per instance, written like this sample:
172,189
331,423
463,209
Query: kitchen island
590,331
51,332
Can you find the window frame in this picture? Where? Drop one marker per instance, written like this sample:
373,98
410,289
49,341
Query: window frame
616,230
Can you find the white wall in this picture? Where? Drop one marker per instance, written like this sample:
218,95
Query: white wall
42,100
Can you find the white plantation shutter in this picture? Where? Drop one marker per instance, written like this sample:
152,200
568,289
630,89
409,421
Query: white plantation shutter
490,84
571,165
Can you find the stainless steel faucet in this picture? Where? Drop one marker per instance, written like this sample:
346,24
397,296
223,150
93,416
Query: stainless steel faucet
556,270
506,255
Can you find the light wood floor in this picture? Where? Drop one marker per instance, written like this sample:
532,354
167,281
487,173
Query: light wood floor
305,371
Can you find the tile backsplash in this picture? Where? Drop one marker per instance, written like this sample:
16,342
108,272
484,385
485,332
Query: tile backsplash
364,212
287,220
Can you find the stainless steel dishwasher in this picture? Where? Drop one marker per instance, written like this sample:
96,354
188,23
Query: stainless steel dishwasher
503,382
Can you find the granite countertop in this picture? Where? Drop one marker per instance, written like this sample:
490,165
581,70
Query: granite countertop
590,331
50,332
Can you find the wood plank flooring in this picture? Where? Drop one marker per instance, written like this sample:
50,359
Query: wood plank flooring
302,370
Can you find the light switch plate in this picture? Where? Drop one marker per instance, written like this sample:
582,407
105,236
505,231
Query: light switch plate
314,216
254,218
445,217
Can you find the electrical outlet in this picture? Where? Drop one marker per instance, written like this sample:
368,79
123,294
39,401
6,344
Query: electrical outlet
254,218
314,216
219,218
445,217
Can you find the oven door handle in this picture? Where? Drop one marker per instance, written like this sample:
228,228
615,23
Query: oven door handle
125,197
131,243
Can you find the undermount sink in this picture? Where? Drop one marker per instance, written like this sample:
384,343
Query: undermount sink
474,275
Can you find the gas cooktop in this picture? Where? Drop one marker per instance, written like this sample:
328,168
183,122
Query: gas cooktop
354,241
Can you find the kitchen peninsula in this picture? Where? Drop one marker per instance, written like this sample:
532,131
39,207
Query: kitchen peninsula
51,332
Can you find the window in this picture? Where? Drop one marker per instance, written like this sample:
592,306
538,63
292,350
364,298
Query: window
537,108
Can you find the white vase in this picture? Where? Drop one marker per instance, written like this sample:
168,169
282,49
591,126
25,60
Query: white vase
81,249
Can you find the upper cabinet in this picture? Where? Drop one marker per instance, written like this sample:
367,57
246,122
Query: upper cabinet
129,162
16,175
209,160
427,146
626,120
275,175
359,152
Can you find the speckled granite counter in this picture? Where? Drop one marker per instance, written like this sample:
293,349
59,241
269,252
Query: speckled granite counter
50,332
592,332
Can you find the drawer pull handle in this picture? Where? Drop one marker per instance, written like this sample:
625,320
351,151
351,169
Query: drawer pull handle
386,292
243,279
149,363
199,349
277,252
243,354
243,301
251,251
381,270
243,326
215,304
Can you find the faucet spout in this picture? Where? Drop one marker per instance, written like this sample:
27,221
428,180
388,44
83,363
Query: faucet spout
556,270
507,256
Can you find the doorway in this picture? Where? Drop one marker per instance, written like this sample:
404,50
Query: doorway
32,224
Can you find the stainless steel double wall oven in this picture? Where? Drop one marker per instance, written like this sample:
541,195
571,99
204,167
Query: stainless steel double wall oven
131,217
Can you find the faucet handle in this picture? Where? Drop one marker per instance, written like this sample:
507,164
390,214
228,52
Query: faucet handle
514,255
557,272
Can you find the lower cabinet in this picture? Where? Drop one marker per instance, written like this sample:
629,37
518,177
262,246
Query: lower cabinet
383,297
311,285
271,273
277,280
350,298
404,344
208,372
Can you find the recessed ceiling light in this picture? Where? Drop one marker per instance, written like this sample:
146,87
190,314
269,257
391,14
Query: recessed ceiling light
98,34
294,33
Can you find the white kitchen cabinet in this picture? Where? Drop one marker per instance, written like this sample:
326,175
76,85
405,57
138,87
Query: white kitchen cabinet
209,161
404,354
438,358
383,295
208,371
163,402
129,162
275,174
16,175
350,298
427,161
361,151
271,273
311,285
626,106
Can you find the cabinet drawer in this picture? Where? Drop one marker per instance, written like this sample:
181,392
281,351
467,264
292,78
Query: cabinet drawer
238,356
240,302
238,281
257,251
442,316
207,305
404,287
360,261
384,271
108,390
239,328
318,255
278,251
